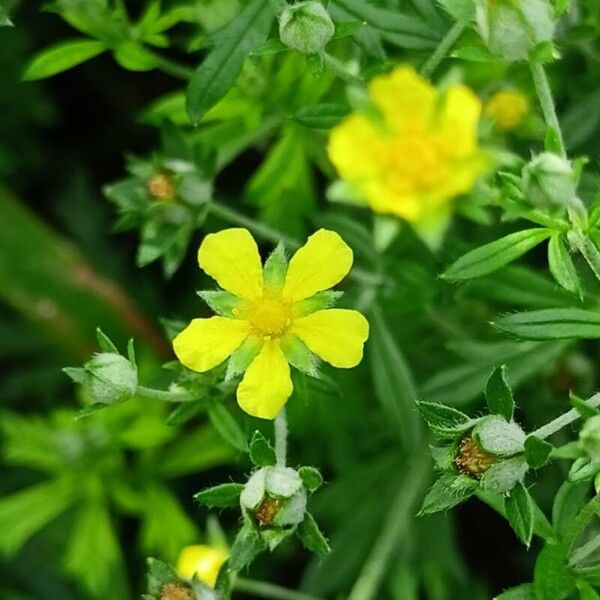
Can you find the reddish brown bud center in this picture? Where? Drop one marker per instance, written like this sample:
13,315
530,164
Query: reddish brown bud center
472,459
267,511
161,187
175,591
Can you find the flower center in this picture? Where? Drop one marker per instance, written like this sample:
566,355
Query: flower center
270,316
472,460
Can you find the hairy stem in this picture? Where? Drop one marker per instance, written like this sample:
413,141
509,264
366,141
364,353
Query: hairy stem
443,48
339,68
544,94
281,434
393,529
164,395
565,419
273,235
262,589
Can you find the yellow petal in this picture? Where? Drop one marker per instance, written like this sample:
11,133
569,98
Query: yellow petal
202,561
336,335
458,120
205,343
231,258
322,262
266,385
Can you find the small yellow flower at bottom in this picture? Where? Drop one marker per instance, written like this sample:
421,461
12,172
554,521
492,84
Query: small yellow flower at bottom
507,108
420,152
268,319
203,561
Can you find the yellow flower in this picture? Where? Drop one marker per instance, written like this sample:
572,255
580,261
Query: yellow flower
203,561
273,316
420,153
507,108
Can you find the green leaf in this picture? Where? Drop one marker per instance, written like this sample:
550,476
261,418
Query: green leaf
226,425
551,324
185,412
24,513
226,494
561,264
394,384
262,454
552,579
321,116
537,451
459,10
498,394
90,410
521,592
519,512
61,57
221,68
491,257
448,491
445,420
247,546
105,343
582,407
586,591
568,502
311,478
311,536
134,57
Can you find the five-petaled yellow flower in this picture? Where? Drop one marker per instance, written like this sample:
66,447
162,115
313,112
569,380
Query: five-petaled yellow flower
204,562
273,317
417,153
507,108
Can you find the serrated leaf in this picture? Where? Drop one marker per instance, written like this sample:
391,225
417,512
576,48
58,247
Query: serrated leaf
491,257
537,451
262,454
226,494
561,264
445,420
221,68
226,425
311,536
61,57
519,512
498,394
551,324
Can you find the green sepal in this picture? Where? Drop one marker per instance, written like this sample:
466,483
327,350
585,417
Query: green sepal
240,360
311,536
503,476
537,451
274,536
444,420
497,436
311,478
105,343
221,302
298,355
320,301
520,512
447,491
262,454
225,494
443,456
247,546
275,268
90,410
499,395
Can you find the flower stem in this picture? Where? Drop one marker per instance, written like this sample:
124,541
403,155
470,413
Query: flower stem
393,529
565,419
164,395
340,69
544,94
262,589
170,67
443,48
273,235
281,434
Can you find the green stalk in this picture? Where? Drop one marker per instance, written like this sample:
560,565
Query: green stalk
443,48
281,434
566,419
544,94
164,395
339,68
393,529
270,591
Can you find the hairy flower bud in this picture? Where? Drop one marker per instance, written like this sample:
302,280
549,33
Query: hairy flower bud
549,182
110,378
512,28
306,27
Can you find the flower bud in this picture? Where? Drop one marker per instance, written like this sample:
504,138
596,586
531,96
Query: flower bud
549,182
110,378
512,28
507,108
306,27
589,438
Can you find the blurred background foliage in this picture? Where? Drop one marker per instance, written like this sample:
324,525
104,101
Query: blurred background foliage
84,501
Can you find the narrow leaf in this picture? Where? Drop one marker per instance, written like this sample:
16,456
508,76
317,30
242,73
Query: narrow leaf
444,419
499,395
311,536
226,425
61,57
519,511
226,494
493,256
561,264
